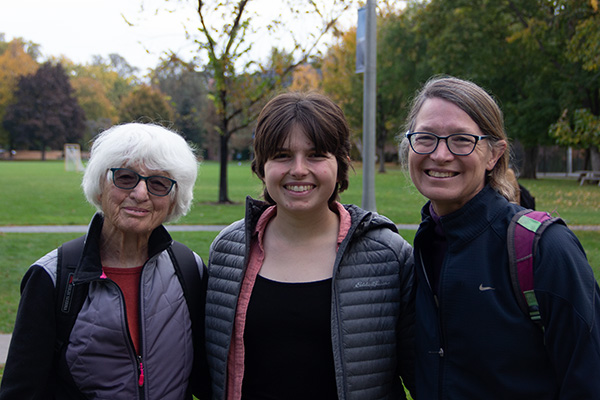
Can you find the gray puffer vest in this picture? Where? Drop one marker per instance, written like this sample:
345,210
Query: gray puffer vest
99,360
372,305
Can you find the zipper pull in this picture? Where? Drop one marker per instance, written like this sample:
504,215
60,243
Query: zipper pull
440,352
66,305
141,379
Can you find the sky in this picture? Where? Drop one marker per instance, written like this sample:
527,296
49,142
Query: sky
80,29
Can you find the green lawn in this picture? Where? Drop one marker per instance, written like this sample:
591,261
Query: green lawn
42,193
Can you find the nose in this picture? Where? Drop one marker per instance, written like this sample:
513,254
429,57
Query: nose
140,191
442,152
298,167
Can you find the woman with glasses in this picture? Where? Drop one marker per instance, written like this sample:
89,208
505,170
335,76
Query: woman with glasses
473,340
132,337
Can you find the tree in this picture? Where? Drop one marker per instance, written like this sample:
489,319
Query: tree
513,48
187,90
565,34
99,111
400,69
116,80
100,88
146,104
305,78
582,128
240,82
343,84
46,113
15,61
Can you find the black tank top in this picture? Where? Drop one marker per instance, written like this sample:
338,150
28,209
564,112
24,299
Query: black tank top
287,340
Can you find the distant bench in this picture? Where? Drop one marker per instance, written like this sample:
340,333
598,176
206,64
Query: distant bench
591,176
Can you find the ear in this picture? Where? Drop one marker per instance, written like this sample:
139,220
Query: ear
496,152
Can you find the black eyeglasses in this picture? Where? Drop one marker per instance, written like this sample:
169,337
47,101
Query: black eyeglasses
124,178
459,144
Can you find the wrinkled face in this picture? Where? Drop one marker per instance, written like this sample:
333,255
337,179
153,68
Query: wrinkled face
298,178
134,211
450,181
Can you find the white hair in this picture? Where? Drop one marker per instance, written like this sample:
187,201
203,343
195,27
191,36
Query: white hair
150,146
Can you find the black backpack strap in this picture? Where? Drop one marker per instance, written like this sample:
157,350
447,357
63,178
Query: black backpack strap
194,292
186,269
68,300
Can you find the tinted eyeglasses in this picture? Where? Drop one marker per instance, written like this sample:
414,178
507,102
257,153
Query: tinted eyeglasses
459,144
127,179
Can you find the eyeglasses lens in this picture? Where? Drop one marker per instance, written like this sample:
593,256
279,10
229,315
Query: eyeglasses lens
159,185
127,179
461,144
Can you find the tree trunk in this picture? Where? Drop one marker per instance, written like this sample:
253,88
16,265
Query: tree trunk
224,152
530,163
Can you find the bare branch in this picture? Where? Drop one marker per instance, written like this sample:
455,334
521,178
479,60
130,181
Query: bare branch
236,25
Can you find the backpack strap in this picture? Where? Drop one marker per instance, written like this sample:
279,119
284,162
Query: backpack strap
186,270
194,292
68,300
524,232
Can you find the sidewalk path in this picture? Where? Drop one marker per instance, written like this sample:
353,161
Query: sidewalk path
190,228
83,228
4,342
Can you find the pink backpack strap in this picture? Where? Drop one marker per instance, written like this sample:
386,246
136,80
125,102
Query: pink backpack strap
524,232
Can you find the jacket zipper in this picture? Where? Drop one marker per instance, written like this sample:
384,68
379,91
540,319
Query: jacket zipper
341,251
341,395
139,366
440,352
140,371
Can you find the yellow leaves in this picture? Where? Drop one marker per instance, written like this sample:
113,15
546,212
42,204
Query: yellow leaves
92,97
581,129
14,63
305,78
594,4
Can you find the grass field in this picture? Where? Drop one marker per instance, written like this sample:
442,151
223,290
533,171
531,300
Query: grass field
42,193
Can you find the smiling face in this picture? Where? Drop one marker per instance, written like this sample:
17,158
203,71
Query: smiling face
298,178
135,211
447,180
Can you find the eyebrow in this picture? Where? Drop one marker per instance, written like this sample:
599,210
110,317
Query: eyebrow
452,130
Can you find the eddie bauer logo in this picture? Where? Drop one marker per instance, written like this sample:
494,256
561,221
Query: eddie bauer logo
371,284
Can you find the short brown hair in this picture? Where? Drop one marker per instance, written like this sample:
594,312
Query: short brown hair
318,117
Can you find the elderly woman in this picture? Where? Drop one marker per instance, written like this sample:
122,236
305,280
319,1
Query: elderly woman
132,337
473,340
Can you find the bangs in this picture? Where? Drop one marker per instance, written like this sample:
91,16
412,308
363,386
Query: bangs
323,142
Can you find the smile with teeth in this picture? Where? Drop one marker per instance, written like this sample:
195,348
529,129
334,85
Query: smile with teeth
299,188
440,174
